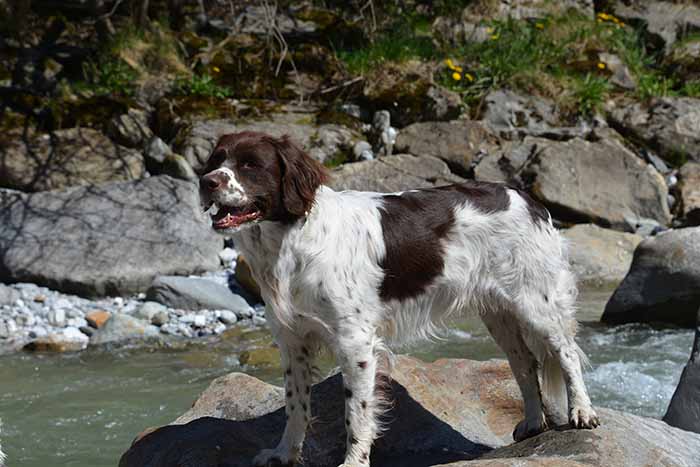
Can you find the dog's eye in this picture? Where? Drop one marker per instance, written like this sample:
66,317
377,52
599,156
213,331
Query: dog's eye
247,165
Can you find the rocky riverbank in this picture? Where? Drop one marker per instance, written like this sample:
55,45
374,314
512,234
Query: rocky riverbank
451,412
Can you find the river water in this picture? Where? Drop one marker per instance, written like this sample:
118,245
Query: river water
83,410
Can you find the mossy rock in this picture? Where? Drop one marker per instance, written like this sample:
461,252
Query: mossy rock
173,112
266,356
684,59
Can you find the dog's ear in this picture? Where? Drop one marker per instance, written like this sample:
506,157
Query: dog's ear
301,176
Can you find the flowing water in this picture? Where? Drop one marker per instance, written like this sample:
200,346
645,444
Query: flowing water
83,410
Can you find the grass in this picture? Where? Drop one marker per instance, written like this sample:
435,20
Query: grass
202,86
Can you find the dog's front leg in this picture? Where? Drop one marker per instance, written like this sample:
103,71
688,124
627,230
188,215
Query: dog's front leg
297,364
359,365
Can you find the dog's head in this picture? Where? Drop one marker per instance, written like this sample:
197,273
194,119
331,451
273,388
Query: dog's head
252,177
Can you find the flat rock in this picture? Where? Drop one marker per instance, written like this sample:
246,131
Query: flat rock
66,340
668,125
600,257
684,410
192,293
457,142
393,173
111,239
663,284
601,182
689,191
450,412
122,328
507,163
71,157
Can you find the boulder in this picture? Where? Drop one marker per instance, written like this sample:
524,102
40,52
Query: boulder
684,410
111,239
407,90
449,413
244,276
65,158
600,257
507,163
130,129
668,125
457,142
122,328
193,293
67,340
663,283
689,191
98,318
665,21
513,116
601,182
322,142
393,173
684,58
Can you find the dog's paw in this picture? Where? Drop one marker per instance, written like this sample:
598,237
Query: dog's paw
527,429
272,458
583,417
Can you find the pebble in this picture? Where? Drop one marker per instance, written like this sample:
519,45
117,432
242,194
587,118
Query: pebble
227,317
160,318
57,317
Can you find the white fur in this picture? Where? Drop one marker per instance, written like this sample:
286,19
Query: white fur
320,279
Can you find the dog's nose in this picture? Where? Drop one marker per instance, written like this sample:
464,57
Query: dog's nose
212,181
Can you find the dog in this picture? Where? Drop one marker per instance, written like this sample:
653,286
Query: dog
353,271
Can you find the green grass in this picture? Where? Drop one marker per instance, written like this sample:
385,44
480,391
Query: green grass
107,76
590,93
203,86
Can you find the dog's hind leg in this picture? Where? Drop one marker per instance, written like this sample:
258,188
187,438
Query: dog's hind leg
297,363
506,332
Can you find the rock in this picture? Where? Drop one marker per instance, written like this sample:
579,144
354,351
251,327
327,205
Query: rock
75,156
57,317
228,317
620,74
122,328
363,151
663,284
689,191
244,276
266,356
684,409
408,91
684,59
148,310
601,182
442,413
68,340
665,21
8,328
600,257
130,129
514,116
458,142
177,166
227,256
160,318
507,163
8,295
669,125
191,293
323,142
98,318
393,173
105,240
155,153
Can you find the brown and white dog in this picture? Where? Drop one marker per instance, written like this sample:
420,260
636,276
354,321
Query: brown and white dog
352,270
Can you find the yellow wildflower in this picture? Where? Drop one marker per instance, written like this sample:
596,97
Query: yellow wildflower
450,64
489,30
603,16
601,65
216,69
469,77
458,68
539,26
456,76
494,37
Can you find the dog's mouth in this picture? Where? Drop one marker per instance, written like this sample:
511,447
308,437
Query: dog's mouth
227,217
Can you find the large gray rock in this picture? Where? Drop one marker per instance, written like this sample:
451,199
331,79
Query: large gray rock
600,257
601,182
457,142
507,163
666,21
512,115
668,125
322,142
684,410
393,173
111,239
663,284
122,328
689,191
65,158
443,413
193,293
